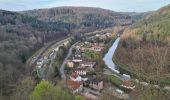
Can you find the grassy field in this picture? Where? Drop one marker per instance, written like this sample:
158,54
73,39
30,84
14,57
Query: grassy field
115,80
91,55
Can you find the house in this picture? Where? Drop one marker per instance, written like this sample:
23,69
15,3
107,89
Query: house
45,57
77,56
101,36
128,84
70,64
75,77
77,59
97,48
86,42
95,84
76,87
40,63
78,53
80,71
109,35
85,64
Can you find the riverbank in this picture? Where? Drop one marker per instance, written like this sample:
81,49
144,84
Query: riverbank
117,78
124,68
140,79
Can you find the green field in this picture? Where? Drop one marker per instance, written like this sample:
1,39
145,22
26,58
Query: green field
115,80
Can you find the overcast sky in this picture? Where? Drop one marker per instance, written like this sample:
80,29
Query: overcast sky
115,5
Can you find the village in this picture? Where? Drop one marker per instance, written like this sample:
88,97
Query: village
85,71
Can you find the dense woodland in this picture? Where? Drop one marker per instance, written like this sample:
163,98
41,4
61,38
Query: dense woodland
78,19
23,33
20,36
145,52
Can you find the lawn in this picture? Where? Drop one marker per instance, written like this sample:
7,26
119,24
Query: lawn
91,55
115,80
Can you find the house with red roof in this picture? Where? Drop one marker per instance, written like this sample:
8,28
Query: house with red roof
95,84
75,87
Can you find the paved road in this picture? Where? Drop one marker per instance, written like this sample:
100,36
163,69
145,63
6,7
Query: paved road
63,76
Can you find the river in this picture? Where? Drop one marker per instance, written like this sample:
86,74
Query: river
108,59
109,55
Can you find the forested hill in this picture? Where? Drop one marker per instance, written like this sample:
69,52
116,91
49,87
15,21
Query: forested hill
20,36
80,19
147,42
155,25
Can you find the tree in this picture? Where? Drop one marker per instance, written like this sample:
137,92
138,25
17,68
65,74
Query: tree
24,88
47,91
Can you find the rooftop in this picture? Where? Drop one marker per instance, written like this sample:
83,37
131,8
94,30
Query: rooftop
74,84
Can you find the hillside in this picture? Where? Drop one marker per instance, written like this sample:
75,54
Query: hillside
20,37
144,49
157,23
80,19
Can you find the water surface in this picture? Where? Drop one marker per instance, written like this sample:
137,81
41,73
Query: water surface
109,55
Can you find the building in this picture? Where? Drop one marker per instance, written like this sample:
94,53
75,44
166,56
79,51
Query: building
77,56
70,64
77,59
76,87
78,53
85,64
95,84
109,35
75,77
40,63
80,71
97,48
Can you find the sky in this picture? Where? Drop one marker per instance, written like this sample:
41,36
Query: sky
115,5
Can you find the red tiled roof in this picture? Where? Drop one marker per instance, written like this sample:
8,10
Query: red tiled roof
73,84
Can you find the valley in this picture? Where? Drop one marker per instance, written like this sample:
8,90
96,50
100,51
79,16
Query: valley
84,53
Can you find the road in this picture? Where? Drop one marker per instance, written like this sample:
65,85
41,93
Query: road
39,55
48,72
63,76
